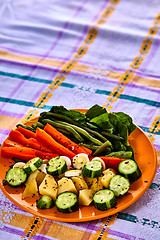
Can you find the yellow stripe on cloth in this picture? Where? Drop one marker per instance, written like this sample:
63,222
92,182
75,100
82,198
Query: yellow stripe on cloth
129,74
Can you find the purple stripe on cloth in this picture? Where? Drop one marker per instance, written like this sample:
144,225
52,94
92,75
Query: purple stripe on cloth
157,147
15,115
14,207
59,36
123,235
4,131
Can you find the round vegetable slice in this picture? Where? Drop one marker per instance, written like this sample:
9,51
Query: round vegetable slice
129,168
32,165
92,169
56,166
45,202
119,185
68,161
100,160
79,160
67,202
104,199
15,177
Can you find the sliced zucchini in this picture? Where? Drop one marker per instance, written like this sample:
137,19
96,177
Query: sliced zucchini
119,185
79,160
32,165
100,159
44,202
16,176
92,169
56,166
67,202
68,161
129,168
104,199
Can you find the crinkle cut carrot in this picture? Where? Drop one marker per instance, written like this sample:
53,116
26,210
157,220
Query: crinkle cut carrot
51,144
65,141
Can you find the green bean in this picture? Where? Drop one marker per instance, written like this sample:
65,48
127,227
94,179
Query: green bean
84,133
96,134
90,146
63,126
49,115
101,149
121,154
113,136
26,127
40,125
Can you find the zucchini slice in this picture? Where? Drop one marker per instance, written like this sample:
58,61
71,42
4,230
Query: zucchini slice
56,166
119,185
32,165
129,168
92,169
104,199
67,202
45,202
16,176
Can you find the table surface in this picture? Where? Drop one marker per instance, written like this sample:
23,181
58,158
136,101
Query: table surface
77,54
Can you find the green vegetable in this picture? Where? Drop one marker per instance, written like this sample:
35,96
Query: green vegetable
130,170
32,165
83,132
56,166
102,149
45,202
64,126
75,115
119,185
104,199
15,177
67,202
121,154
95,111
92,169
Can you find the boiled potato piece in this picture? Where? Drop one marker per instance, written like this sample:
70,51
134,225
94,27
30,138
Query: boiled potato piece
48,187
31,189
97,185
79,183
90,181
66,184
32,176
40,177
108,174
85,197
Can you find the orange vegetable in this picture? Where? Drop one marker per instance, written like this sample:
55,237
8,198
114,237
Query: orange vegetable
22,153
112,162
65,141
51,144
17,136
45,155
9,143
27,133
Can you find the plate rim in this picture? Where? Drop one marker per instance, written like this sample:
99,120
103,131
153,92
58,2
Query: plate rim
94,217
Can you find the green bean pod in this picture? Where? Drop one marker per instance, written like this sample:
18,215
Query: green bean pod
101,149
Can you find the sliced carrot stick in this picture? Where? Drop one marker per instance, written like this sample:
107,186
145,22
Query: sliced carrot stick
17,136
112,162
26,132
65,141
22,153
9,143
51,144
45,155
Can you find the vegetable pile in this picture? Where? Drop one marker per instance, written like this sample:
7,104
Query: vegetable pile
69,158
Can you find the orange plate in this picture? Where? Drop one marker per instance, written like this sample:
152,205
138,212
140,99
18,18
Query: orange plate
145,156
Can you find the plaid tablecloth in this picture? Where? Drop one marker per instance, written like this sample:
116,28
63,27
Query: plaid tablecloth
77,54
